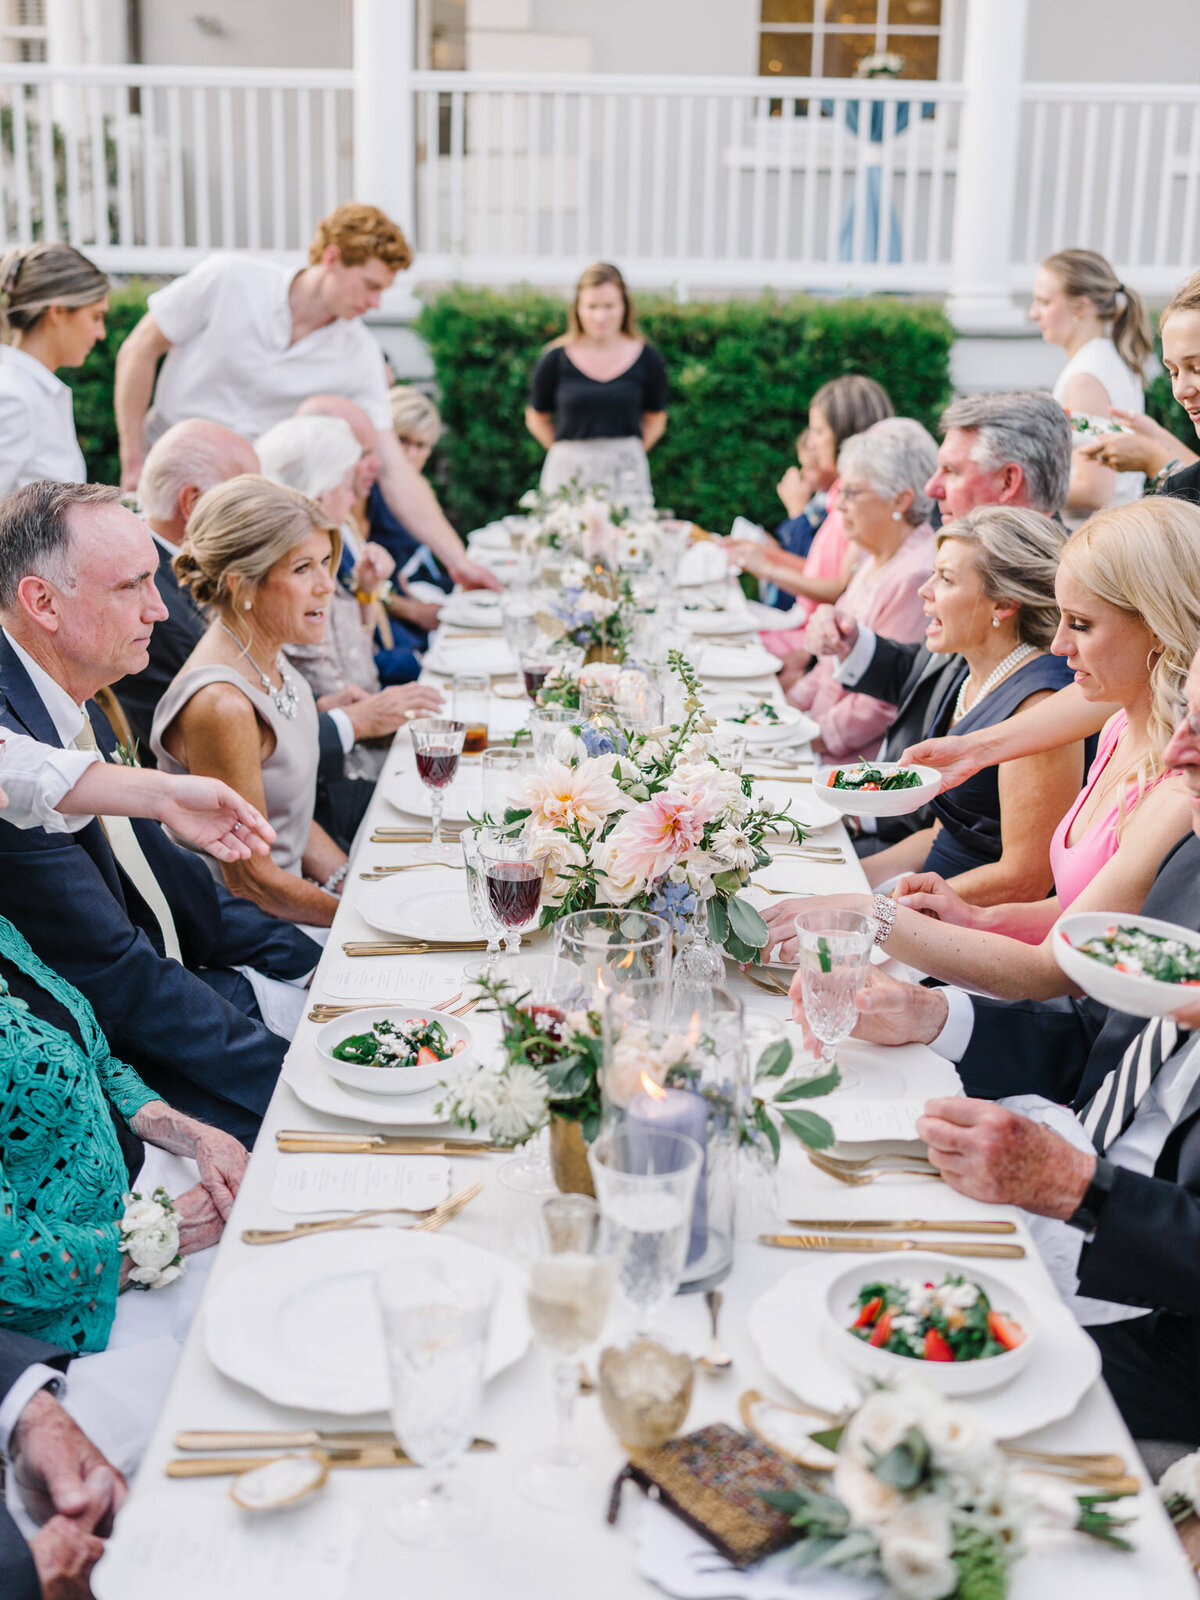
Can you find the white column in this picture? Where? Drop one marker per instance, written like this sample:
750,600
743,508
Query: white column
985,189
385,119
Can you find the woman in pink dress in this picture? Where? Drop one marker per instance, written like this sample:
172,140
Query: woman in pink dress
883,473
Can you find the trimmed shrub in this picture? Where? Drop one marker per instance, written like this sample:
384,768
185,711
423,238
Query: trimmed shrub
741,373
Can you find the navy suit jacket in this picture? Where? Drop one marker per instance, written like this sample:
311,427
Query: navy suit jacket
1146,1250
18,1575
184,1028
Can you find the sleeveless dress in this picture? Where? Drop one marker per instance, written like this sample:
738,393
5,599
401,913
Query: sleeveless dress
289,773
1100,360
970,815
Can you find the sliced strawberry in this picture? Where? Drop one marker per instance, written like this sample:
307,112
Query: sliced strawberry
936,1348
869,1312
427,1057
1004,1331
831,781
881,1332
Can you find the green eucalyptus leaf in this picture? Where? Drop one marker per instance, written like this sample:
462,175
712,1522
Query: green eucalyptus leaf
810,1088
810,1129
775,1059
746,923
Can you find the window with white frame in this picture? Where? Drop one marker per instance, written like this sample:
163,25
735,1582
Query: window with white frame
828,38
23,30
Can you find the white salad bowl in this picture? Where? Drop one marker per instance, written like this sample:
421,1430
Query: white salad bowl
1122,991
916,1268
794,726
391,1080
878,802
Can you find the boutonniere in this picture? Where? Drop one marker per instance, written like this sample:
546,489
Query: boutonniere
126,753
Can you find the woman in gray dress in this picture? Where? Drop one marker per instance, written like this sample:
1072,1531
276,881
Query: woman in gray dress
261,557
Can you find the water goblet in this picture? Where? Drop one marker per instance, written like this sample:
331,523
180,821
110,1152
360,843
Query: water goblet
513,871
729,748
570,1285
833,951
504,771
469,706
436,1323
545,725
519,615
437,745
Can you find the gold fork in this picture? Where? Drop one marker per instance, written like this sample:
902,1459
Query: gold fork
432,1218
409,866
324,1011
856,1176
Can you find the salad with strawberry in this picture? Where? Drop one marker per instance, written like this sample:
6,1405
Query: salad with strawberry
419,1042
950,1321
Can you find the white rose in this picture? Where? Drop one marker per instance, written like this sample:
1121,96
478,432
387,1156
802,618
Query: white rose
620,884
915,1551
141,1214
560,852
954,1433
1182,1479
568,746
1055,1505
878,1426
154,1246
870,1501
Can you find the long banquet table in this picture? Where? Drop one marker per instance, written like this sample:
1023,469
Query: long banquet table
185,1539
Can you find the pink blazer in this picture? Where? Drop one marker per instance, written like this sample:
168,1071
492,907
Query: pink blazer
886,599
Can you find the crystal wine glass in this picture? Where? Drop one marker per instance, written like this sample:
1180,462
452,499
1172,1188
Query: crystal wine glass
536,667
834,951
570,1285
513,871
479,905
504,771
437,744
436,1323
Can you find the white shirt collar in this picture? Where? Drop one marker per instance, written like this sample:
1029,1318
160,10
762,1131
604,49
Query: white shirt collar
163,544
41,374
67,717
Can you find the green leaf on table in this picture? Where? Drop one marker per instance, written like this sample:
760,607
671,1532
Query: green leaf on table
775,1060
810,1129
718,920
743,954
810,1088
746,923
762,1120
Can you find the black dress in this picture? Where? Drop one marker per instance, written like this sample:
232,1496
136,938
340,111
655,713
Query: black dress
586,408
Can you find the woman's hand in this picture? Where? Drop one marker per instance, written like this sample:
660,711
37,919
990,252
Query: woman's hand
779,917
794,491
956,759
374,566
749,556
200,1223
1147,447
222,1160
929,893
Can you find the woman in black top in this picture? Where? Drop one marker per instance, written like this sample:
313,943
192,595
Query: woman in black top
598,395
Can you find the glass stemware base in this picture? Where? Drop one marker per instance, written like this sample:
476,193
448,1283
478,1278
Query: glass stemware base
530,1172
560,1480
435,1513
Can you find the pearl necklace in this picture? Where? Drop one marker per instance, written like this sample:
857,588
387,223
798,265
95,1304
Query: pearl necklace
285,699
1011,660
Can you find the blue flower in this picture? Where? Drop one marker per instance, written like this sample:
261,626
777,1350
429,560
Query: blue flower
676,902
599,739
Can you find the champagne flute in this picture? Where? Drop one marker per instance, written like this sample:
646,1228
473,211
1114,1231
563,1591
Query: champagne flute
834,951
437,745
570,1285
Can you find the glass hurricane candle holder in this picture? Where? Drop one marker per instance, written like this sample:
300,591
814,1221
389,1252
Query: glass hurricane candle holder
602,951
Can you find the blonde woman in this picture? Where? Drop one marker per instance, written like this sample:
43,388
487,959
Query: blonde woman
1128,588
1080,304
418,427
598,395
261,556
53,303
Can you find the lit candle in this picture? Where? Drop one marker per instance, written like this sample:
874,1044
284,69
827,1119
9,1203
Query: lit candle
678,1111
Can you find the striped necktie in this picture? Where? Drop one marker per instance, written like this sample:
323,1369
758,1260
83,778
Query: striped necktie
1113,1106
131,859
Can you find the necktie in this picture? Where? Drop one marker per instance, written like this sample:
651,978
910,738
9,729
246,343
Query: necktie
131,859
1113,1106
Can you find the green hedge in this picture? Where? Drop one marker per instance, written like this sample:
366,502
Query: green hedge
95,421
741,374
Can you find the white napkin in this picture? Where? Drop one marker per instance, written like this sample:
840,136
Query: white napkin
743,528
471,655
310,1184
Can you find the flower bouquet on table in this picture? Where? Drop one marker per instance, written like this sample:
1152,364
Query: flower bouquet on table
582,521
593,613
920,1496
650,820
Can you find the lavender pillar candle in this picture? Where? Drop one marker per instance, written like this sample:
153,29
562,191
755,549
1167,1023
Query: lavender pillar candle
678,1111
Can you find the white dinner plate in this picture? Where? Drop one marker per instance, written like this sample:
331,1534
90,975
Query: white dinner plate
429,904
726,619
492,656
786,1325
300,1325
769,619
1123,991
305,1074
408,794
464,611
728,661
794,726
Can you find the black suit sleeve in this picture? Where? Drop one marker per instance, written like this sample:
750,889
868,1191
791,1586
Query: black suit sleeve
1029,1047
18,1574
1146,1251
18,1351
888,670
332,765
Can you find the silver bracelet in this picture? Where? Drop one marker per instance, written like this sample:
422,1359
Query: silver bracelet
334,878
883,909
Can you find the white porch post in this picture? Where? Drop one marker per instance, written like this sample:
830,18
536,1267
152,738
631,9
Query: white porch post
385,119
985,190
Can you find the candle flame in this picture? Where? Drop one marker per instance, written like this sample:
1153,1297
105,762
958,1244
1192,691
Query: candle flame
693,1032
626,962
652,1087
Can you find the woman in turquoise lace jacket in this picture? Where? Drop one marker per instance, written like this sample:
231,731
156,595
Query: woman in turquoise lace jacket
71,1124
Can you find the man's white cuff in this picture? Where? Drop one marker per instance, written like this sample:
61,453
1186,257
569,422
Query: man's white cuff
22,1392
958,1027
345,730
849,671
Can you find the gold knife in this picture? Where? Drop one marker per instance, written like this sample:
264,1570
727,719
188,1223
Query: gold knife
823,1241
408,948
389,1145
300,1439
890,1225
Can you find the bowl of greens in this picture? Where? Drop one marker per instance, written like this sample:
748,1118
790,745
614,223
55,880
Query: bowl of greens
965,1330
394,1050
876,788
1134,964
762,720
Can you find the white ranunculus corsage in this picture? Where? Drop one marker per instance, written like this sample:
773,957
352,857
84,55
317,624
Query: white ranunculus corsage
1179,1487
150,1238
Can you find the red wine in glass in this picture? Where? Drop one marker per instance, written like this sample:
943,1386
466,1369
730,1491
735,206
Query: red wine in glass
535,677
514,891
437,765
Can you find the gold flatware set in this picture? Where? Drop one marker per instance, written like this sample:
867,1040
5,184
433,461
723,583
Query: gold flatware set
377,872
850,1243
367,1448
857,1170
431,1219
308,1141
327,1013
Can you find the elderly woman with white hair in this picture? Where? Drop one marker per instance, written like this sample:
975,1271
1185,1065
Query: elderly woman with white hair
883,473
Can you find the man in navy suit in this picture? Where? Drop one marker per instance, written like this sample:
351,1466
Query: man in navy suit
130,918
66,1484
1129,1187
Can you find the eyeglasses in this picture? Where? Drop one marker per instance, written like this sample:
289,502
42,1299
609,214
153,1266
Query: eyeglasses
850,495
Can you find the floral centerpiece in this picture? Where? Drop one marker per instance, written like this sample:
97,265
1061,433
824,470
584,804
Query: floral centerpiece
651,820
592,612
583,521
922,1497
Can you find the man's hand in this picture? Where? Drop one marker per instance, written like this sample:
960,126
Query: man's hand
211,816
382,713
831,632
889,1012
471,575
992,1154
350,695
60,1470
64,1553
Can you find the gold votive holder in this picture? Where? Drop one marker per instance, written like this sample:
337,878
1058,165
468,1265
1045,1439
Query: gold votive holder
645,1392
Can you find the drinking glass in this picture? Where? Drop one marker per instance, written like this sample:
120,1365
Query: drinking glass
639,707
545,725
469,706
834,951
536,666
570,1285
597,952
436,1322
513,871
480,906
519,615
729,748
645,1181
757,1170
437,744
504,771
